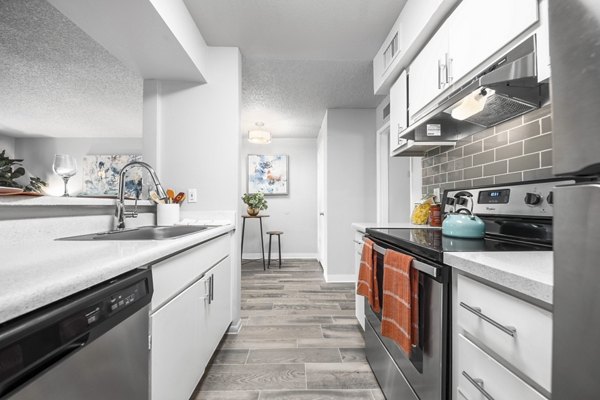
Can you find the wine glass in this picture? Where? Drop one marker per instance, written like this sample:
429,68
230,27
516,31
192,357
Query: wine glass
64,166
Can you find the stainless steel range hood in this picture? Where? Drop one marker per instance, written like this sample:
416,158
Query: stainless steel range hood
505,90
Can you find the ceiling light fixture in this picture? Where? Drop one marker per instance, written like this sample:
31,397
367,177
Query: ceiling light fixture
259,135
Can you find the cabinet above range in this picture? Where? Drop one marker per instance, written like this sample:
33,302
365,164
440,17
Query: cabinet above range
417,22
471,76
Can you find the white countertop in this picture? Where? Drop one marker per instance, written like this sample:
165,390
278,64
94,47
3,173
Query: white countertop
30,201
526,272
362,226
37,273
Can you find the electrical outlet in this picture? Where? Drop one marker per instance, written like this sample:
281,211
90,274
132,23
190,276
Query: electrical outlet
436,193
192,195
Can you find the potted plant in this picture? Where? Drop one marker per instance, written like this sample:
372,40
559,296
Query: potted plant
255,203
12,169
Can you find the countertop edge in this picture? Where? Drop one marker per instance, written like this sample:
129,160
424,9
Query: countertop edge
527,286
31,298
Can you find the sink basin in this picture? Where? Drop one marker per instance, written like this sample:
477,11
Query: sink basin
143,233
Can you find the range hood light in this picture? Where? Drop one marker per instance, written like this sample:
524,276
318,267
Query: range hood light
472,104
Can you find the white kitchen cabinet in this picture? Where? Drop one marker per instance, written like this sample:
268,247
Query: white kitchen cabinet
474,32
186,331
416,23
480,28
177,344
398,110
480,373
217,308
360,300
501,339
191,310
427,73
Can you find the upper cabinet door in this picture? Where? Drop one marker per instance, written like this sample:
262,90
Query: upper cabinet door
478,29
398,109
427,73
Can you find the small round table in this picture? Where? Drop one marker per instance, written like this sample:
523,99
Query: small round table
262,244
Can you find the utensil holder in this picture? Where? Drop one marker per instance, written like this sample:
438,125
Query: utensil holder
167,214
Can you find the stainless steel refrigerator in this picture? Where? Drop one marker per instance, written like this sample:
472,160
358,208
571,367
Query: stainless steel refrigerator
575,58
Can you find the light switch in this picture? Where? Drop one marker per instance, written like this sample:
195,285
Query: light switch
192,195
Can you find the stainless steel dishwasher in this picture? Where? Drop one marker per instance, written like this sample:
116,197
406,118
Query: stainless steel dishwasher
92,345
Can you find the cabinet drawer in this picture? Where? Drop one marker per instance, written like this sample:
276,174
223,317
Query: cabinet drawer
517,331
479,372
174,274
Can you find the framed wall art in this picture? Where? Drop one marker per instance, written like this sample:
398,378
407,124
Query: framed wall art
268,174
101,175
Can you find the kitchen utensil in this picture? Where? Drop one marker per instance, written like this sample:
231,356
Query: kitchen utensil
155,198
7,191
64,166
179,198
170,195
463,224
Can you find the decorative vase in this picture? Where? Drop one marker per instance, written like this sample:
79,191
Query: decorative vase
253,212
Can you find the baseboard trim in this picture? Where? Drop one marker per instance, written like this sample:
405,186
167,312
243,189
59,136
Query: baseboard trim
235,327
342,278
285,256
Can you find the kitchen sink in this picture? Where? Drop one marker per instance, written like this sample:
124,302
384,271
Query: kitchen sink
143,233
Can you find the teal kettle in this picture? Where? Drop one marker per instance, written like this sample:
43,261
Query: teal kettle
463,224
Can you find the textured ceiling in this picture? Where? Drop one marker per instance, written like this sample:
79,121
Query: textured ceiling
300,56
291,96
56,81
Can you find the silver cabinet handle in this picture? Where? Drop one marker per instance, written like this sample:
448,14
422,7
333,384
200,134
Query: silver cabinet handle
509,330
321,213
359,242
439,74
478,383
212,287
448,66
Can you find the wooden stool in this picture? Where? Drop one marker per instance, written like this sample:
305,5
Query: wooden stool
271,234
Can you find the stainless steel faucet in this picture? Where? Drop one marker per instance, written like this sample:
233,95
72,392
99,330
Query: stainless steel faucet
120,213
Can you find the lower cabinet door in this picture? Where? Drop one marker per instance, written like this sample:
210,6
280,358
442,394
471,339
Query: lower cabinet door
481,377
218,310
177,331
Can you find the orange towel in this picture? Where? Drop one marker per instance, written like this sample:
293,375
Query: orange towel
367,276
400,315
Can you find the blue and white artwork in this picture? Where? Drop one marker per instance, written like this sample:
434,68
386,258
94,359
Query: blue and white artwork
268,174
101,175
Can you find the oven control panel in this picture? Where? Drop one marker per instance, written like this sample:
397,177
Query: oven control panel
532,199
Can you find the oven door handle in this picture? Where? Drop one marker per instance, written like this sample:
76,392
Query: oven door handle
418,265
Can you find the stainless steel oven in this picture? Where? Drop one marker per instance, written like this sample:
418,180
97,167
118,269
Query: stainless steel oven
423,376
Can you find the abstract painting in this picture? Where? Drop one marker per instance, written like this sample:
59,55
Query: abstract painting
101,175
268,174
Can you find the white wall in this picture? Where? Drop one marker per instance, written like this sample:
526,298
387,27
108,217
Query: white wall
7,143
192,137
294,214
38,155
399,190
351,184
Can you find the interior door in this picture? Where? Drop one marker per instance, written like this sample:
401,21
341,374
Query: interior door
321,200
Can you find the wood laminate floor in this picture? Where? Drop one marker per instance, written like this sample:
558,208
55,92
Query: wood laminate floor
299,341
